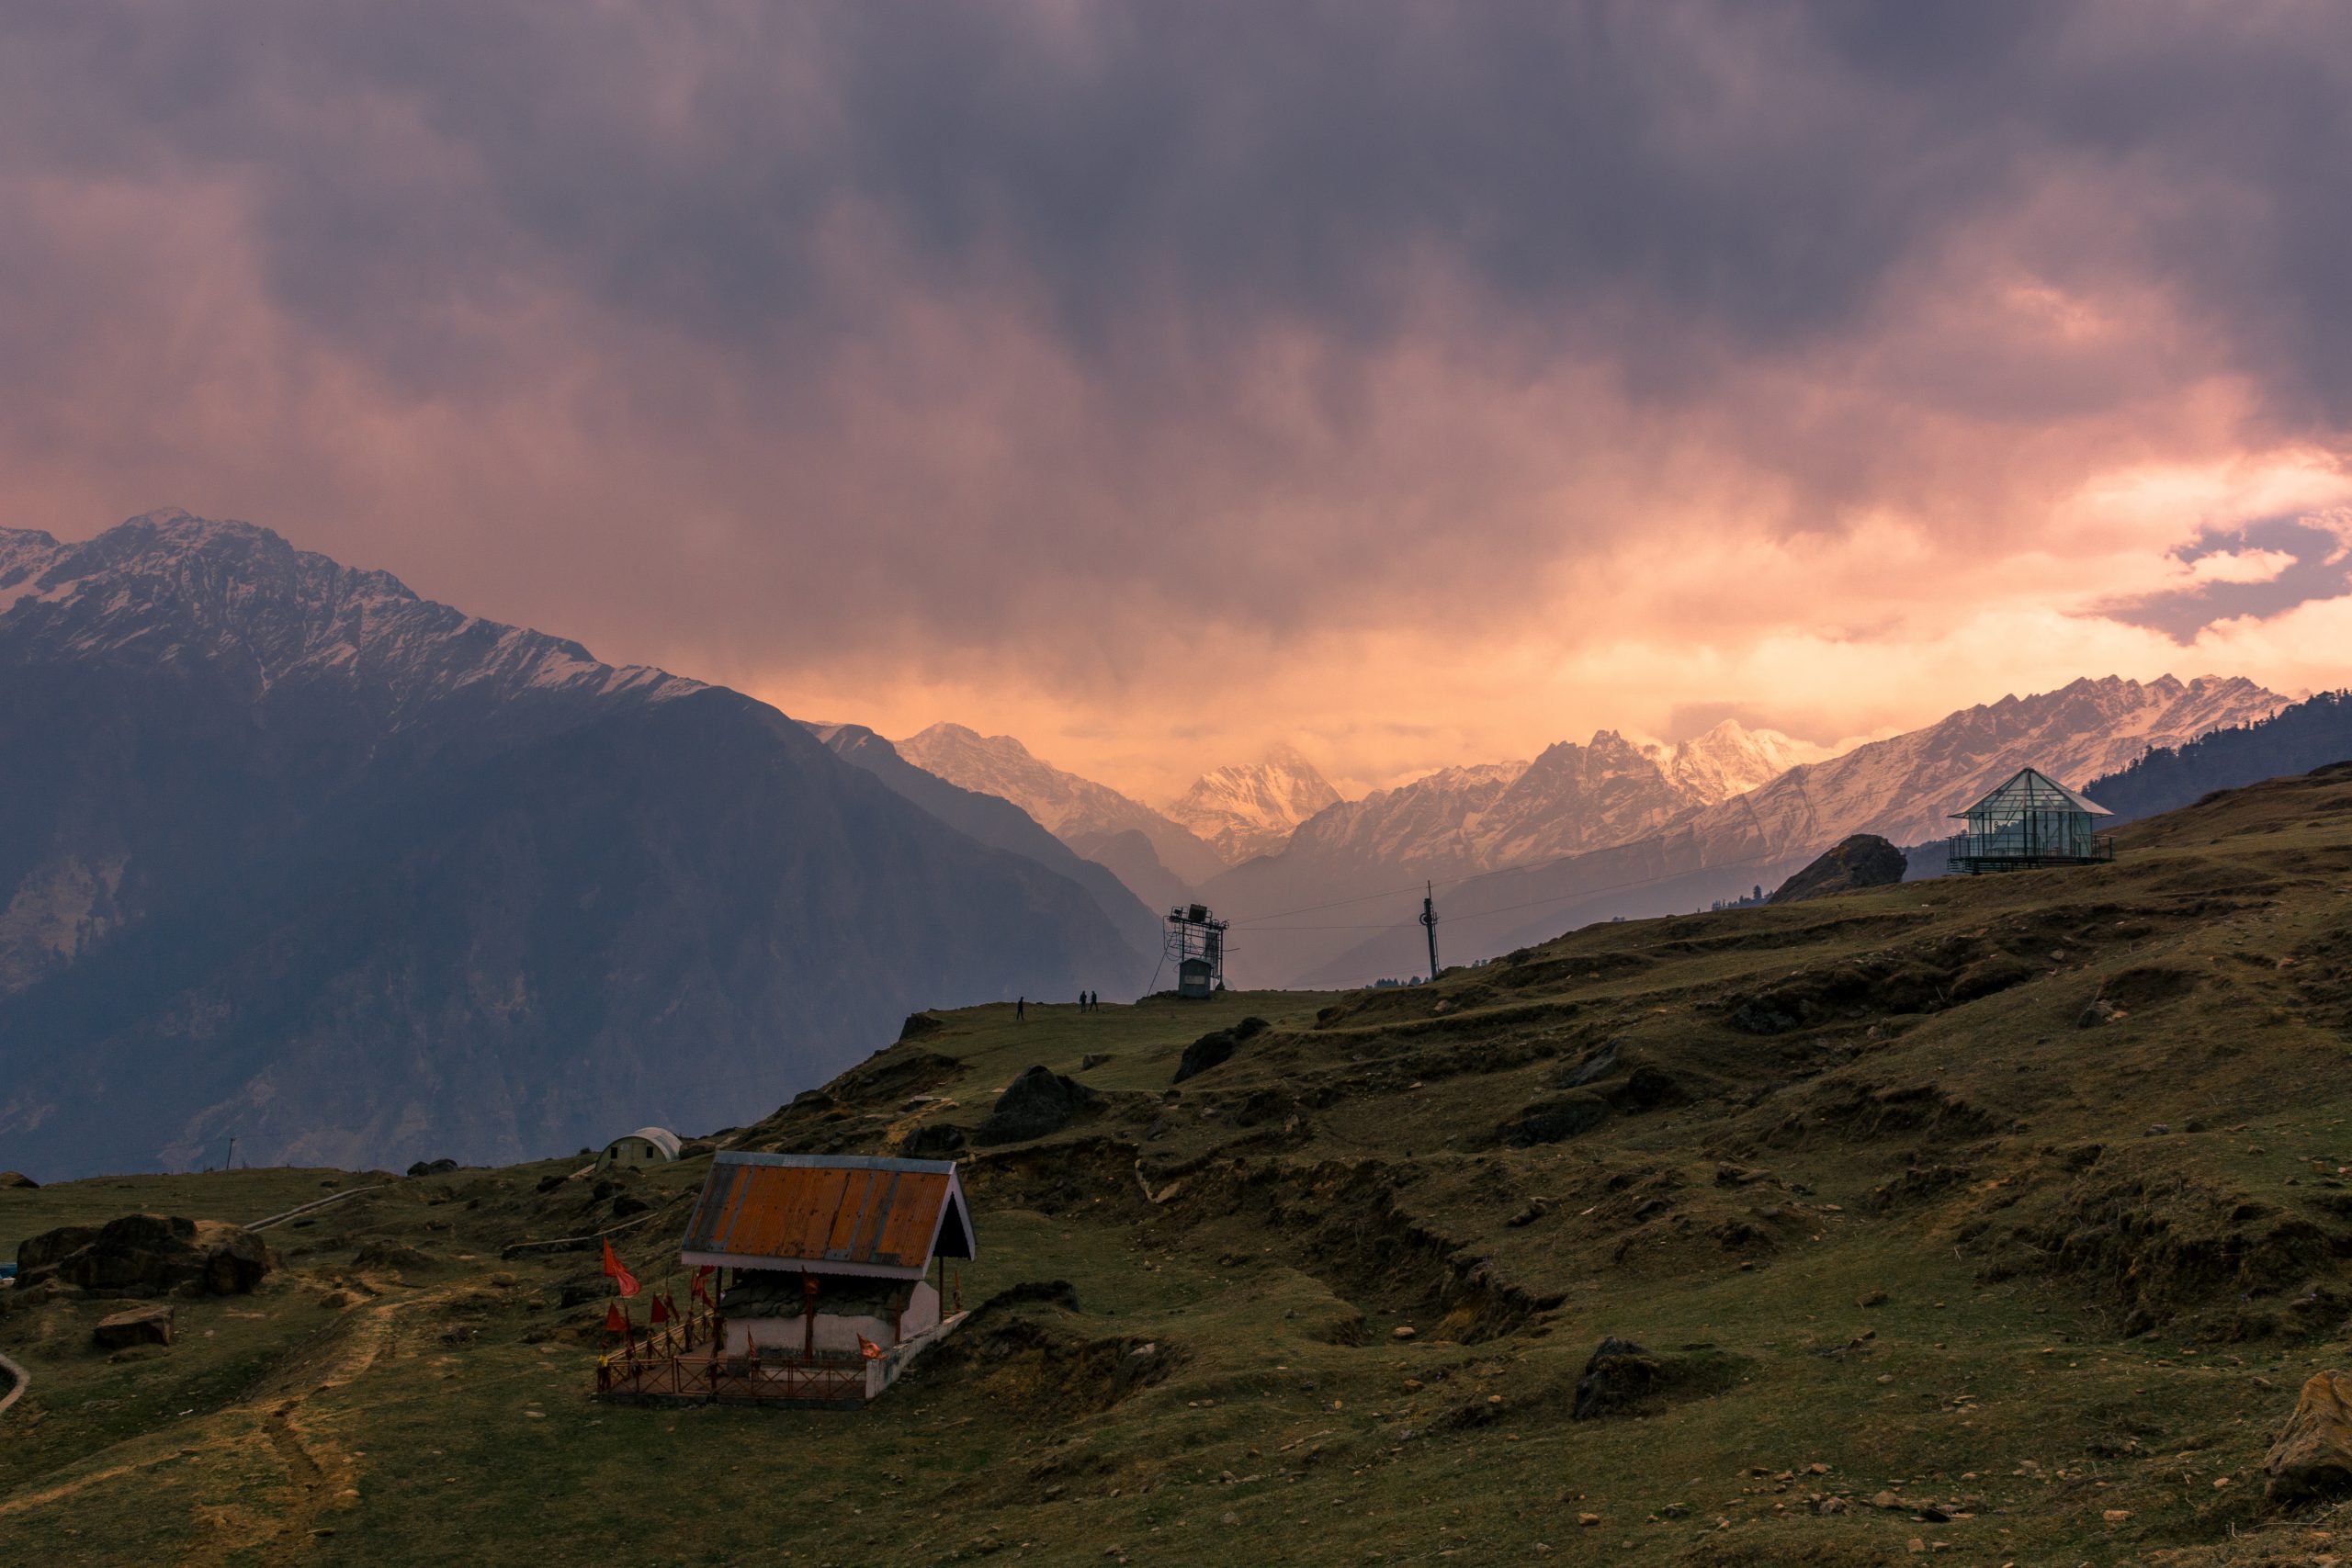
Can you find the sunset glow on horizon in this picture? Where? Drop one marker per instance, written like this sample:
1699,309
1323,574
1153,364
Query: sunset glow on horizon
1418,386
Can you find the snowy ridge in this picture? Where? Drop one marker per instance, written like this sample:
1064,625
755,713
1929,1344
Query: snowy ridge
1251,809
168,587
1906,787
1078,811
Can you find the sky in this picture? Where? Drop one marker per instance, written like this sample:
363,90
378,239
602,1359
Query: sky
1417,384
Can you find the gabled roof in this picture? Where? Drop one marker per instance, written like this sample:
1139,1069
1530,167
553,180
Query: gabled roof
829,1213
2031,788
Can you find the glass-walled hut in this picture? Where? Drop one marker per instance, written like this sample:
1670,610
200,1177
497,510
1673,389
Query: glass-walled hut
2032,821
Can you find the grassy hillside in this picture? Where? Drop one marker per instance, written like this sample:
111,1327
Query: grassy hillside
2000,1216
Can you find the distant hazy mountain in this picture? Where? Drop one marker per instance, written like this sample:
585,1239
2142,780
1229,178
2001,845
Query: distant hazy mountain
290,852
1250,809
997,822
2297,738
1091,818
1459,821
1903,788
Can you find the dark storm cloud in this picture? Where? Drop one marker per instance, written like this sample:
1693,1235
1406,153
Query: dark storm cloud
1753,170
900,334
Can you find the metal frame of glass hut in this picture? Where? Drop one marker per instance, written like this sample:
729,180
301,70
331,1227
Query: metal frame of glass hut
2032,821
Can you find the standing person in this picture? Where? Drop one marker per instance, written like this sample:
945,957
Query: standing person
1020,1009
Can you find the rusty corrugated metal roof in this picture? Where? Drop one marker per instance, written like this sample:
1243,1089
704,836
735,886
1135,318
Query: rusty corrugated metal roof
838,1211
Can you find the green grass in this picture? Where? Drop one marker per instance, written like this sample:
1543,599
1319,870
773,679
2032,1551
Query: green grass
2080,1317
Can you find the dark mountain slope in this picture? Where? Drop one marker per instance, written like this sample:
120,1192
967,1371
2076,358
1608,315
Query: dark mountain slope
2295,740
996,822
293,854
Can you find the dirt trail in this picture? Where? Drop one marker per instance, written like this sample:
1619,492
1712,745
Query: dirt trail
317,1468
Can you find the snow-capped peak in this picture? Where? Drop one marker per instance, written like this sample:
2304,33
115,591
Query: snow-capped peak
1251,809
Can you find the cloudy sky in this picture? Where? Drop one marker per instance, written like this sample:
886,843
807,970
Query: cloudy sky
1416,383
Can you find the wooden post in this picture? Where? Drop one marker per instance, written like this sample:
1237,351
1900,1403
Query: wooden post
808,1316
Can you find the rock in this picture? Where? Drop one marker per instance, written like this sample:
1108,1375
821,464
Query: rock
148,1253
1622,1379
1863,860
934,1140
1871,1299
1402,1331
433,1167
2312,1454
1093,1060
51,1246
2100,1010
16,1178
1038,1102
1210,1050
1555,1121
919,1025
139,1326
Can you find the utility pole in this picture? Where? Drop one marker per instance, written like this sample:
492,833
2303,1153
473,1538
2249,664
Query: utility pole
1428,922
230,1163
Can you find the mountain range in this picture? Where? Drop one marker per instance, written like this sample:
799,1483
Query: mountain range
294,855
1158,859
1903,788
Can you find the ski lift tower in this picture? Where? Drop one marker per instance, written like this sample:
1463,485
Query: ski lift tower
1197,946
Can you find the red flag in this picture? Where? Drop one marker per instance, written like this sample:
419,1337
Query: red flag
620,1276
867,1349
670,1299
660,1312
614,1323
694,1286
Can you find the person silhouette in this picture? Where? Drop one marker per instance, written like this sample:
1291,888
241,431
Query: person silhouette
1020,1009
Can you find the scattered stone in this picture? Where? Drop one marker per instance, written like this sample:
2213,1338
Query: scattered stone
2116,1515
1093,1060
1038,1103
139,1325
1402,1331
1871,1299
1588,1520
2312,1455
1862,861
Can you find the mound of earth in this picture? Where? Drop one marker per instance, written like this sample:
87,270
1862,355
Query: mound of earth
1863,860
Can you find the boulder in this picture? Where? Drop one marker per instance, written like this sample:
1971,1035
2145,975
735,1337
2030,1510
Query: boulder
16,1178
1622,1379
52,1246
1553,1120
934,1140
1210,1050
1038,1102
1863,860
148,1254
433,1167
2311,1457
139,1326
